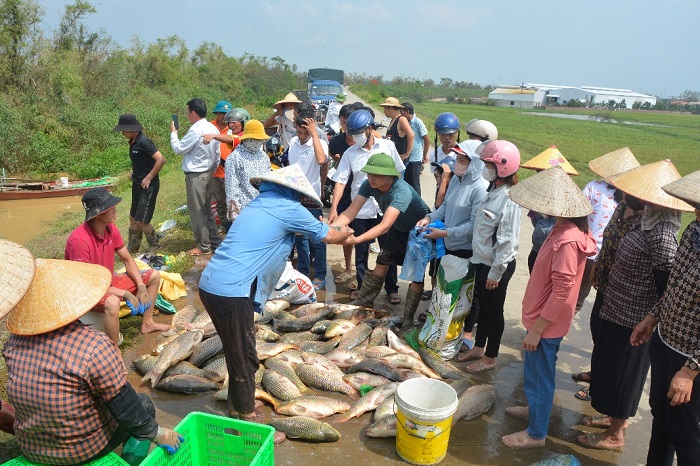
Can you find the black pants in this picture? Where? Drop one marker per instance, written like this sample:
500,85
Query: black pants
412,175
491,302
674,429
531,258
362,225
233,320
586,284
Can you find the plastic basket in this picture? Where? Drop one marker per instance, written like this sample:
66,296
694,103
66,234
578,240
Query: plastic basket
216,440
110,460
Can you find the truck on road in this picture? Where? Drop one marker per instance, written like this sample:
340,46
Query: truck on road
324,84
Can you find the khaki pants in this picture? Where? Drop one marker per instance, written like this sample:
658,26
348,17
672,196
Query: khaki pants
198,188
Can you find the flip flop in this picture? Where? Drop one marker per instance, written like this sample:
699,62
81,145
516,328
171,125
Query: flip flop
481,367
583,394
319,284
394,298
426,295
594,440
423,316
342,277
352,285
584,377
354,295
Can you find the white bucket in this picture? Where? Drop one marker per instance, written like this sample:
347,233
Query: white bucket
424,420
63,181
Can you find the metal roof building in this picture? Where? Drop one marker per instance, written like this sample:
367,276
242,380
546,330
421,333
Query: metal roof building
529,95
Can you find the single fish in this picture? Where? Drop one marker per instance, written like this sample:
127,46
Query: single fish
369,401
323,361
460,385
303,323
205,350
306,428
164,341
385,408
292,356
475,401
209,330
378,336
184,316
261,394
307,309
321,326
179,349
338,327
316,407
279,386
406,361
264,317
399,345
184,383
316,376
281,366
344,358
379,367
259,375
320,347
222,393
355,336
299,337
384,428
200,321
265,333
378,352
276,305
218,365
436,363
267,350
359,379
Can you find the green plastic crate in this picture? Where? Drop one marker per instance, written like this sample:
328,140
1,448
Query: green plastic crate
210,440
110,460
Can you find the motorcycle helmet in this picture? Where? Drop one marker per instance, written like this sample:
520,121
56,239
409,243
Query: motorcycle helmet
358,121
503,154
482,129
446,123
237,114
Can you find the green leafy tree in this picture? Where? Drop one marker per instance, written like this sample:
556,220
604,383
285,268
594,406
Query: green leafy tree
18,19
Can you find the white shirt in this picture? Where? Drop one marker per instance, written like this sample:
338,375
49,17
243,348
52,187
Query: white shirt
197,156
305,156
332,116
353,161
287,129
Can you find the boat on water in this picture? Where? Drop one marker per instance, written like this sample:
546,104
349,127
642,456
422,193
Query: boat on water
27,189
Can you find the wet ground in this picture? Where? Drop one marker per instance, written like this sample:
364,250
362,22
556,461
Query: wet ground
475,442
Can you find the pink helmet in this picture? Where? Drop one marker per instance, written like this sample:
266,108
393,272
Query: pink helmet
503,154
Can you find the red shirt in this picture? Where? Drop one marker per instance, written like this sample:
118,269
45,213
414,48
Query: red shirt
85,245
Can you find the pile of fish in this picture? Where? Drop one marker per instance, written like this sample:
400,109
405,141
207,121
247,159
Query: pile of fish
338,348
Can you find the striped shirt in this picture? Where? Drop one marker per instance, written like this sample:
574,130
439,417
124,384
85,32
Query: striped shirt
58,383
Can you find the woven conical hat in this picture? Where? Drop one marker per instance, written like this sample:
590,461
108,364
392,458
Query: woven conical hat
687,188
646,181
290,98
551,192
16,273
550,157
291,177
61,292
613,163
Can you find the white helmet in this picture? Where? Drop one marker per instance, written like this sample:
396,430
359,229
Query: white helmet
482,129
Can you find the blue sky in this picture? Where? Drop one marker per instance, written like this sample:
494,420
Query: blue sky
647,46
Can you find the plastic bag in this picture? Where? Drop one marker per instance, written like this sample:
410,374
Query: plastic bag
440,242
449,307
294,287
419,251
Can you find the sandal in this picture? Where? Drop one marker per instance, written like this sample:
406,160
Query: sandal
394,298
319,284
354,295
596,441
342,277
352,285
426,295
600,420
584,377
583,394
423,316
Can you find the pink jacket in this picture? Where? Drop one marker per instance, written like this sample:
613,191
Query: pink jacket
555,281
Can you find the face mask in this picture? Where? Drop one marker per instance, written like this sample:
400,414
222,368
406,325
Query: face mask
252,144
289,114
633,203
489,174
360,139
460,169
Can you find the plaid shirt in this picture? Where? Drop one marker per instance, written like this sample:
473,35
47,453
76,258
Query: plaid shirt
679,307
631,292
58,383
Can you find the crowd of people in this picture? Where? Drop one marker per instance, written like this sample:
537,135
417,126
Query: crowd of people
617,235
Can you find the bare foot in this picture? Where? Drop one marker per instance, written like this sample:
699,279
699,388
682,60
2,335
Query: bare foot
471,355
482,365
522,440
518,412
149,327
601,441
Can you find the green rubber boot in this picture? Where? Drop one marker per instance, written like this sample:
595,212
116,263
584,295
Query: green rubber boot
152,239
371,287
135,237
409,311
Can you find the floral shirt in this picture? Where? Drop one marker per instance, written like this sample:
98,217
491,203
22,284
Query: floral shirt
679,307
602,197
241,166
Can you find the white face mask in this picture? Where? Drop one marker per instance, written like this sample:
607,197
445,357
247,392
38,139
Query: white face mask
489,174
252,144
460,169
360,139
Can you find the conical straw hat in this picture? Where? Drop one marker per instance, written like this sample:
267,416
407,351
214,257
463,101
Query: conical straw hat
291,177
613,163
16,273
646,181
687,188
550,157
551,192
290,98
61,292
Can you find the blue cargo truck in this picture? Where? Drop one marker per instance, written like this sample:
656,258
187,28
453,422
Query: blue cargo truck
324,84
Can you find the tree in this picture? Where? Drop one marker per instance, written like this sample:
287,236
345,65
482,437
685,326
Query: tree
17,19
690,96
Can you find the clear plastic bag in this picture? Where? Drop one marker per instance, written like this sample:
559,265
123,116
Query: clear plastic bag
419,251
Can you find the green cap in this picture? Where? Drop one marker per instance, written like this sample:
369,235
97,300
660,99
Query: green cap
381,164
340,97
222,106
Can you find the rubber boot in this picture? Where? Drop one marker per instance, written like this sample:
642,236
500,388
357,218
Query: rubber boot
7,418
152,239
409,311
371,287
135,237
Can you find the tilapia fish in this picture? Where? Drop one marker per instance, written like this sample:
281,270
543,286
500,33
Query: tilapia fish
376,366
179,349
384,428
303,323
475,401
436,363
359,379
205,350
355,336
184,383
184,316
306,428
279,386
316,376
369,401
316,407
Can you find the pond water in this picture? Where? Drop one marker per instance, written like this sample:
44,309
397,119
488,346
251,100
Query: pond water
590,118
25,219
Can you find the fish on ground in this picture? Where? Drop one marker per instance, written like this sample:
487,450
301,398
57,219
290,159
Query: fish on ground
307,309
285,368
378,352
162,343
323,361
267,350
205,350
184,316
279,386
320,347
302,323
383,428
338,327
359,379
317,377
265,333
378,367
399,345
475,401
385,408
439,365
306,428
276,305
299,337
321,326
200,321
180,348
406,361
317,407
218,365
184,383
355,336
344,358
369,401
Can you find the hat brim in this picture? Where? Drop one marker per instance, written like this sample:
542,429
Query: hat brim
16,273
256,136
114,200
686,188
646,183
551,192
291,177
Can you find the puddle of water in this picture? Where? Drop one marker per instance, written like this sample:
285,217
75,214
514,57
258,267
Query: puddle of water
591,118
25,219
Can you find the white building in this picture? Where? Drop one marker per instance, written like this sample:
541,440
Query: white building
531,95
